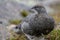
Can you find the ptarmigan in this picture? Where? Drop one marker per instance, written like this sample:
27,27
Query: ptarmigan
37,24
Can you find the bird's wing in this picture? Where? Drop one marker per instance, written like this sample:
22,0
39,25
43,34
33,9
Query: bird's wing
26,28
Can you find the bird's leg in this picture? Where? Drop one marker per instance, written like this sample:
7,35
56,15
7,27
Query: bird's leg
30,37
34,38
42,38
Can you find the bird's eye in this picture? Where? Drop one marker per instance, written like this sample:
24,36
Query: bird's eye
16,27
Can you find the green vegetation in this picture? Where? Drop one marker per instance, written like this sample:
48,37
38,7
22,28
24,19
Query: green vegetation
14,21
14,36
54,35
24,13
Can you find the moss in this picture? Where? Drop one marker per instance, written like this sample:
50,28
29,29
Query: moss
24,13
54,35
14,21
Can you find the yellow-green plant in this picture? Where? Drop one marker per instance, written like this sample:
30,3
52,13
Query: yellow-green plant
54,35
24,13
14,21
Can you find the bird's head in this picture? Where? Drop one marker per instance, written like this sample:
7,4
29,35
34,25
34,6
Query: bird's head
14,28
39,9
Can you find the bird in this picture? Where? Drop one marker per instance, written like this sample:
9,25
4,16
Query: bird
37,24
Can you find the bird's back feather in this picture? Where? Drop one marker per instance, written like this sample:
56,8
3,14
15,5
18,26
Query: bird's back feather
39,24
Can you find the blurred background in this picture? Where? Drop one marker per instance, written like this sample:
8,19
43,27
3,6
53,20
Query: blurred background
13,11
